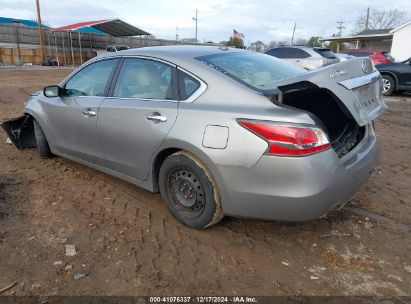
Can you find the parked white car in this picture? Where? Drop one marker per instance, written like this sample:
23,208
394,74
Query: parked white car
304,56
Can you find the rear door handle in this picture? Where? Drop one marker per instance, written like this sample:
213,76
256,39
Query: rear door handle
88,113
156,117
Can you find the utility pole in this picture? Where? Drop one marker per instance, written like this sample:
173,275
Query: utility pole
368,17
177,33
196,20
41,37
340,27
292,38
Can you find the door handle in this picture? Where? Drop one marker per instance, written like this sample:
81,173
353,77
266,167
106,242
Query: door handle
88,113
156,117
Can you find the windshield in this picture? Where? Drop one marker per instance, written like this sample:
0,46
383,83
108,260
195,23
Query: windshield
255,70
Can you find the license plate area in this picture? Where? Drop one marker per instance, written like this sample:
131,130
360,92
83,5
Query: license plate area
369,96
370,103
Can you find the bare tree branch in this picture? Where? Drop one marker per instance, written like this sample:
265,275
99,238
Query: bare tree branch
384,19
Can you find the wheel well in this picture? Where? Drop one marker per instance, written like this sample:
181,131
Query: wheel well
159,161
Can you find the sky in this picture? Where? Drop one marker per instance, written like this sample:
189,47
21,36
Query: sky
257,19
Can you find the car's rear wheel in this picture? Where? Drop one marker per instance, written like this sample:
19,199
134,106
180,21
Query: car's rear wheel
388,85
189,191
43,149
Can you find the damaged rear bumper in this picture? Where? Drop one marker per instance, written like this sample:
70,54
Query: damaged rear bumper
20,130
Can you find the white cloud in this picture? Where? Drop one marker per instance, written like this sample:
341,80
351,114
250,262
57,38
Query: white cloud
258,19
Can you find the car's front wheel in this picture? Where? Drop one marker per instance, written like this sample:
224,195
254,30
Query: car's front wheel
388,85
189,191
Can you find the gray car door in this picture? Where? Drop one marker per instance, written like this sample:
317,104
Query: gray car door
72,118
135,120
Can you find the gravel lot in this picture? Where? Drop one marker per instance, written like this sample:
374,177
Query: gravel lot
127,243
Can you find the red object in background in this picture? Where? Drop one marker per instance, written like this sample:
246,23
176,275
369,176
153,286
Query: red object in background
377,56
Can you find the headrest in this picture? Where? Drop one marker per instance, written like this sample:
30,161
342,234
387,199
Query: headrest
146,75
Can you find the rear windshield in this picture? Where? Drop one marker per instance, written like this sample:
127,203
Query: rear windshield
361,54
327,53
255,70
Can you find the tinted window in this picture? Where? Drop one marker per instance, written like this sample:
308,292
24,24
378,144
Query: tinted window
146,79
279,53
91,80
327,53
255,70
361,54
288,52
187,85
298,53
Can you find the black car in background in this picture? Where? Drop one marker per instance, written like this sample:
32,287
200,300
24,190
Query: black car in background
396,76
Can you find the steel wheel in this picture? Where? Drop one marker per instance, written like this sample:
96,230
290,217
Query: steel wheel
189,190
186,193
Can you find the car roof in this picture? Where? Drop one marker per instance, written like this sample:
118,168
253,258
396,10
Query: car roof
176,51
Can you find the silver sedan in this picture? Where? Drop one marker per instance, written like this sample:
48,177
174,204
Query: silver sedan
216,131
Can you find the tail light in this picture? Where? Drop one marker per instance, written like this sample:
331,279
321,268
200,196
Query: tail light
288,140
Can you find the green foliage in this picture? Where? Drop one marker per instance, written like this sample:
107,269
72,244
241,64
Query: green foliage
238,43
313,41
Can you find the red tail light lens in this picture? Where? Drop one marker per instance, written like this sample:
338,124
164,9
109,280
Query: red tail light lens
288,140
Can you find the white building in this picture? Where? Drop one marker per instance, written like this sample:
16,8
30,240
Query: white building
401,42
397,41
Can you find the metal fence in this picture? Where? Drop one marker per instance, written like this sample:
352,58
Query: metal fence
66,47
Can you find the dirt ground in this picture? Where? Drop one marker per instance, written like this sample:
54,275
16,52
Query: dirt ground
128,244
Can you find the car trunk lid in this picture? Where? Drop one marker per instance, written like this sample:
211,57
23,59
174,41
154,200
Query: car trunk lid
355,83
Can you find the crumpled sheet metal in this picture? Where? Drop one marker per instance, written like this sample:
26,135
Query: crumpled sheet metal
20,131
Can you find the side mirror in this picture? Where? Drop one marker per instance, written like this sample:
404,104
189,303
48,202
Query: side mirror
52,91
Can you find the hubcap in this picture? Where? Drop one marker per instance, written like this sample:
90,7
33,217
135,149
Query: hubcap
186,193
386,85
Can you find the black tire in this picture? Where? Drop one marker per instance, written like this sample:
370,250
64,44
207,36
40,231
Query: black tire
189,191
388,83
43,149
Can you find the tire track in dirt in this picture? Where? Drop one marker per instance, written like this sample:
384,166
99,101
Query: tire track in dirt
130,244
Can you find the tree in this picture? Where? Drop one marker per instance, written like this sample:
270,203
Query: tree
380,19
272,44
313,41
237,43
257,46
300,41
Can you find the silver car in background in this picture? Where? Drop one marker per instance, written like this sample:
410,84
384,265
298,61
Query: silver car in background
216,131
309,58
